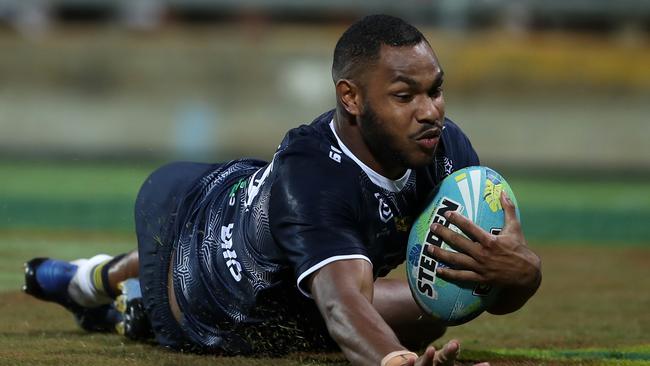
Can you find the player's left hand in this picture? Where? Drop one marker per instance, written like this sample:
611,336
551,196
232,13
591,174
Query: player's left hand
445,356
502,260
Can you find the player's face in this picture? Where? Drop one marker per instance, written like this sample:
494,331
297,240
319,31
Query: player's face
403,107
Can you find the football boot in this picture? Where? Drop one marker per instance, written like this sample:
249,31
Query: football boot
48,279
135,322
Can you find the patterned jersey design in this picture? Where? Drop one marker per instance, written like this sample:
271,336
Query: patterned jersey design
254,228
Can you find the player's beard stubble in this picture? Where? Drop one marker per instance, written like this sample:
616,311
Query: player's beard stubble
384,146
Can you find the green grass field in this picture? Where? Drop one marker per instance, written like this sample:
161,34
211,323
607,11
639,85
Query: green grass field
592,308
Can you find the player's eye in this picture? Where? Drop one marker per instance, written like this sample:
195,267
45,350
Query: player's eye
403,97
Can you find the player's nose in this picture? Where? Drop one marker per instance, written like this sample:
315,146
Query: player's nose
430,110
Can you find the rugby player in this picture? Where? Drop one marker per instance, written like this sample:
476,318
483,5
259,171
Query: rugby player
254,257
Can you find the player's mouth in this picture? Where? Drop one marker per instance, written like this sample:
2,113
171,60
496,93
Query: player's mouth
428,139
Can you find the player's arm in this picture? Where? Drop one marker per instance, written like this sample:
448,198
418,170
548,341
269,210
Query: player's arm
343,291
503,260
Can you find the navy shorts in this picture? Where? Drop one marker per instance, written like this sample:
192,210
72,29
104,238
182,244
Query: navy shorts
161,209
158,210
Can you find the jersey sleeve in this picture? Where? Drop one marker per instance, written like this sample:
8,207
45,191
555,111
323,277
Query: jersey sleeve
314,211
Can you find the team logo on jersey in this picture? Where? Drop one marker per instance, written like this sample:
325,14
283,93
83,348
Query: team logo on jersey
385,213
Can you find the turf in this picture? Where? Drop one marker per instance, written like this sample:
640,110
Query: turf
592,308
582,315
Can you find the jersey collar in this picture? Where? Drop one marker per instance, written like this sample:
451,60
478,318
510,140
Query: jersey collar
378,179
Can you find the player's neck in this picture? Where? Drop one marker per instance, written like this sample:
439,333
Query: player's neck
350,135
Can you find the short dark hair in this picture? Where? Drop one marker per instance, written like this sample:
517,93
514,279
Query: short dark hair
360,44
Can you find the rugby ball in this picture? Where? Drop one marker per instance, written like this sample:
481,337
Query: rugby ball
475,193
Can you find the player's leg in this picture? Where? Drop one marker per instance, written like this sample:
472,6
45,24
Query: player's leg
78,286
126,267
96,281
87,287
394,302
160,206
142,302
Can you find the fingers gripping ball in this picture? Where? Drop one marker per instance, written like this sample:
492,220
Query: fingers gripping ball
474,192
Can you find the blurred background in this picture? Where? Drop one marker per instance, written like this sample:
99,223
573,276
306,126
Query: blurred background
94,94
554,94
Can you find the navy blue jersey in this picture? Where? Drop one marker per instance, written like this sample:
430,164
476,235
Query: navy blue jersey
254,231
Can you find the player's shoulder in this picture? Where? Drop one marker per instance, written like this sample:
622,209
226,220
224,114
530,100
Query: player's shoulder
314,146
311,137
309,161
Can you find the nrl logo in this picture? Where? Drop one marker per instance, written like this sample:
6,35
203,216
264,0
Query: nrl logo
385,213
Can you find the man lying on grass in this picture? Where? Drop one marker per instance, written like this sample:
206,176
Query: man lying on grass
254,257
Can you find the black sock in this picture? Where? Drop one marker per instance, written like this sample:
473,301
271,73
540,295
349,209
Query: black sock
103,268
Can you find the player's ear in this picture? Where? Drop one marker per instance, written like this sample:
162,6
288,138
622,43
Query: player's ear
347,93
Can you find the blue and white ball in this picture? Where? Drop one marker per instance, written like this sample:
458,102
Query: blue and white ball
475,193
